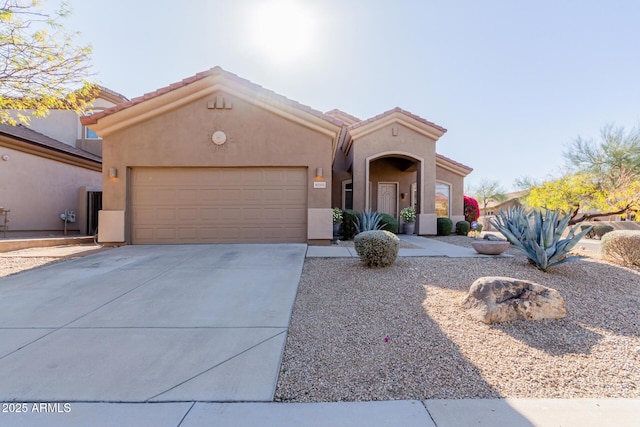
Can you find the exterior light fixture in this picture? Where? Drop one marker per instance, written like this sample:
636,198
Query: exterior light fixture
113,174
318,173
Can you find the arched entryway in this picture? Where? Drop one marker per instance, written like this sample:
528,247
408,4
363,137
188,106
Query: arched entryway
394,181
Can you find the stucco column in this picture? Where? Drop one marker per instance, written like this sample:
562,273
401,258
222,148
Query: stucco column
360,184
427,218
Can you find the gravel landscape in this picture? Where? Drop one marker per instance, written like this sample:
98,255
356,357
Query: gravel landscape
360,334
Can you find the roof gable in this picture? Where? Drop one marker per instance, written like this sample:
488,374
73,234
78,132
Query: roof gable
397,115
203,84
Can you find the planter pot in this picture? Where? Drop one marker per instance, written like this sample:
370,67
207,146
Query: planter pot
488,247
336,229
409,227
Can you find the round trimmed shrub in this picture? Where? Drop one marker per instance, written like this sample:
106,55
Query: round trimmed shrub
479,228
622,247
462,228
444,226
601,230
389,223
377,248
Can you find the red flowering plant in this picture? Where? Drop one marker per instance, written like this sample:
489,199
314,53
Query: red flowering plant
471,209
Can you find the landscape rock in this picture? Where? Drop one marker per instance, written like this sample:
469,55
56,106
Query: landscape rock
503,299
494,238
490,247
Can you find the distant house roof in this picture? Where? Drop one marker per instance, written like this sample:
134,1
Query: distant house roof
508,197
110,95
25,139
347,118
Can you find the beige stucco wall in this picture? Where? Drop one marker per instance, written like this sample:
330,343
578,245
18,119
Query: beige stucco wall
456,207
64,125
407,142
255,137
61,125
38,190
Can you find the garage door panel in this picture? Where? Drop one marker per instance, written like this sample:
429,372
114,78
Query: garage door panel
216,205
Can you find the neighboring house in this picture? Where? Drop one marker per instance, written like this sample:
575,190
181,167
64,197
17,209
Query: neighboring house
47,167
216,158
511,200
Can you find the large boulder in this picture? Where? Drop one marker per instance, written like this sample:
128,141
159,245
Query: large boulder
503,299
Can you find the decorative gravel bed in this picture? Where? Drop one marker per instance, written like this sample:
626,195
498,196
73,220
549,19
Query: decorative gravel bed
399,333
9,266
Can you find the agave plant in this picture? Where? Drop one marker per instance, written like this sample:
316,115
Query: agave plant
538,235
368,221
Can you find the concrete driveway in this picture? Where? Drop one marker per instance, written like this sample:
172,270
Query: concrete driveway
149,324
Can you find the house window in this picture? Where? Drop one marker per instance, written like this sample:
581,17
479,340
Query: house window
347,194
443,192
89,134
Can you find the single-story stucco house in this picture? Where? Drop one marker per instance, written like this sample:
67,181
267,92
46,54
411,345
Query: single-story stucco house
216,158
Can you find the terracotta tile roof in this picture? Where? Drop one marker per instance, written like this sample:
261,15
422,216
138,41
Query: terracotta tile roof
28,135
440,156
335,111
215,71
397,110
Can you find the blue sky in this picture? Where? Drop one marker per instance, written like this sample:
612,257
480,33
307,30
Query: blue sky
513,82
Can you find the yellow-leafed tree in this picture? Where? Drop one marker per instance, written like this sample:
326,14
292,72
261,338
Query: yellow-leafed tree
41,67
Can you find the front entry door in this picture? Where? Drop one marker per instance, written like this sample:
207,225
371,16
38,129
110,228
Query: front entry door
388,198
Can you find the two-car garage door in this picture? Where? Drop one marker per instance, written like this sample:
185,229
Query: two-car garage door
218,205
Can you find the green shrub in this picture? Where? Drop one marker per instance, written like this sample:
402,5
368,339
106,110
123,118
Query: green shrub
479,228
601,230
389,223
444,226
462,228
349,217
622,247
538,236
368,221
377,248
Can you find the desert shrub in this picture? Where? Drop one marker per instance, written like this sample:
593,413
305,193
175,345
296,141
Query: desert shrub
368,221
591,234
389,223
377,248
349,217
444,226
471,209
622,247
462,228
479,228
601,230
538,235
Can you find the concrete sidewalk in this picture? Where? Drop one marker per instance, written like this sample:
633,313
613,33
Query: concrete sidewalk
405,413
425,248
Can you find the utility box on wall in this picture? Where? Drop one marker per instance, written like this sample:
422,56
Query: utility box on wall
111,226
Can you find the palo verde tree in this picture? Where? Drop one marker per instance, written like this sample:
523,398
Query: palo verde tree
488,191
603,178
41,66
